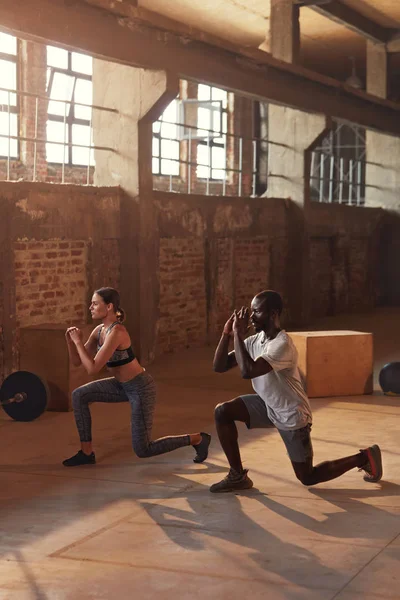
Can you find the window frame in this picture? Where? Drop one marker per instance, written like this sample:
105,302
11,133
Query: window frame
14,109
210,142
70,119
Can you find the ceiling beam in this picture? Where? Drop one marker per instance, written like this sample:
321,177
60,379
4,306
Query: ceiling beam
250,72
393,44
350,18
123,8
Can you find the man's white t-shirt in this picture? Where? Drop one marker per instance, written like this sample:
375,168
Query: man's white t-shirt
281,389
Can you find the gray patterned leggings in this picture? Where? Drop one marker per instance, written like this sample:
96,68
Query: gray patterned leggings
140,392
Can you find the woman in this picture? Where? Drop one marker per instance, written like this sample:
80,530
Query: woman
109,344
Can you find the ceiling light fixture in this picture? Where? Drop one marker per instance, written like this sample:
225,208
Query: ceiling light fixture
354,80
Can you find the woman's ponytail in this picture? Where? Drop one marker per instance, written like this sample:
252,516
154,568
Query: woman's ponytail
120,314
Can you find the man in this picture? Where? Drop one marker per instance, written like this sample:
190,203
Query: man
269,359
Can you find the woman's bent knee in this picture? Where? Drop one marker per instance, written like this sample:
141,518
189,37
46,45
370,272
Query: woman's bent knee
77,396
142,451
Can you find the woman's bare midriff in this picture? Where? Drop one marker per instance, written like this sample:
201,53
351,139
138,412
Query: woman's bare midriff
126,372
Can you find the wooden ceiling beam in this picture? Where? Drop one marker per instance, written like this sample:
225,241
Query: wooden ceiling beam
250,72
350,18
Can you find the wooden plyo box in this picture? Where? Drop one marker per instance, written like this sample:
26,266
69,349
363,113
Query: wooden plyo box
43,351
335,363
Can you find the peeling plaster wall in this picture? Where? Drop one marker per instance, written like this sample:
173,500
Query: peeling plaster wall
57,243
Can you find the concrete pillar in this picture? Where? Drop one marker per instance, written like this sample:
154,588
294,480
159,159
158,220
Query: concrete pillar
139,96
283,38
383,151
295,131
33,114
376,69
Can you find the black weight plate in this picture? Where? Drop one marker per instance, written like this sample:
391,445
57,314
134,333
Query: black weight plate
33,387
389,379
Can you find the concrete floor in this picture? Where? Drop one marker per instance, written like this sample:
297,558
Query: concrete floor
130,528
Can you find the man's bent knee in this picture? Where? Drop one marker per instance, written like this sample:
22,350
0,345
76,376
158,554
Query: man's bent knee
222,413
307,479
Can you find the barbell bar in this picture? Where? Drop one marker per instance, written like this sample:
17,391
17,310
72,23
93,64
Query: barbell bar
24,396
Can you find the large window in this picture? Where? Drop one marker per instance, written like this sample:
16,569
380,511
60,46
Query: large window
212,121
8,100
338,166
69,78
165,142
206,129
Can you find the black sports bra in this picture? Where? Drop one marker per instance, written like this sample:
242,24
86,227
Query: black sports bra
119,357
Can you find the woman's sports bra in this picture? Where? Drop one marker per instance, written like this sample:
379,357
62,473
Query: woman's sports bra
119,357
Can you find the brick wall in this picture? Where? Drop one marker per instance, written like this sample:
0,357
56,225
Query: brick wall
344,271
58,243
321,269
50,281
182,294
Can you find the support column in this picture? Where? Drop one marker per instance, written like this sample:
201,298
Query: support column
294,131
377,69
33,113
283,38
383,179
140,96
383,151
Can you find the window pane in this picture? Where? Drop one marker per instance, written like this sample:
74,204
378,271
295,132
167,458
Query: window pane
170,113
169,149
218,158
8,78
82,63
8,127
156,127
204,92
83,93
156,166
55,132
61,89
203,156
57,57
218,94
80,156
216,114
203,121
203,172
8,44
81,134
156,147
169,167
169,131
224,122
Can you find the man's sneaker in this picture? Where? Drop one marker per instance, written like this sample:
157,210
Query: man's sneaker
80,459
233,482
373,469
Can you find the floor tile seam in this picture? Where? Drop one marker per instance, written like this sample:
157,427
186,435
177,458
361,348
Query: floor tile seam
196,573
316,539
365,566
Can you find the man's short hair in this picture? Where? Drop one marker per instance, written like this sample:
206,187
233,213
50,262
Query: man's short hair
272,300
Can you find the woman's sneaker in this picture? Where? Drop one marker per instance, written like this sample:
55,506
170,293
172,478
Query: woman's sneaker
202,448
233,482
373,469
80,458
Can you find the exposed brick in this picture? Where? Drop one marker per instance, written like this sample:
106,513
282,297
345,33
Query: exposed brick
45,274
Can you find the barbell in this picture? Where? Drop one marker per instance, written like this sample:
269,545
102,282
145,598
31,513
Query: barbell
24,396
